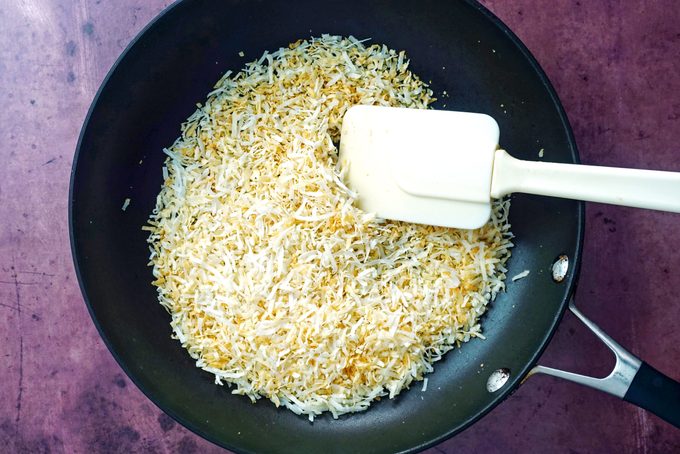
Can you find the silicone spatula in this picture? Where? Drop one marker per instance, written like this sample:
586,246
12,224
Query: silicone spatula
444,168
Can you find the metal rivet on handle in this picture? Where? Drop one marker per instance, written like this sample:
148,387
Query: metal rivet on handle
560,268
497,379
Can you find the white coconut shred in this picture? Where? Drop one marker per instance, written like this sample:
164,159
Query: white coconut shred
276,283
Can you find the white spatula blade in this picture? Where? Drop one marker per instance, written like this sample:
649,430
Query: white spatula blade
423,166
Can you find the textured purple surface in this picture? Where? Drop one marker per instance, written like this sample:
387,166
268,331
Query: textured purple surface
616,67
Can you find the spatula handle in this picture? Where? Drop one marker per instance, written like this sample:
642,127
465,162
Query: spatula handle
651,189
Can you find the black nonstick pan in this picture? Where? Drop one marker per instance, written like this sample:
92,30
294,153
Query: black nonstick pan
464,50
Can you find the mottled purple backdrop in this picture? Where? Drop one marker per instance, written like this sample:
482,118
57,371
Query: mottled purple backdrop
616,67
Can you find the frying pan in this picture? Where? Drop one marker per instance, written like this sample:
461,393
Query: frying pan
464,50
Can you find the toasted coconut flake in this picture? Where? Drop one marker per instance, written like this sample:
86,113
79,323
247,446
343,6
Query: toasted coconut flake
275,282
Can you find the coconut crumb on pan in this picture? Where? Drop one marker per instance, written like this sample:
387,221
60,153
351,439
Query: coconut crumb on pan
521,275
275,281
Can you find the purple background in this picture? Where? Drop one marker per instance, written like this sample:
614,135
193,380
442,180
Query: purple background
616,67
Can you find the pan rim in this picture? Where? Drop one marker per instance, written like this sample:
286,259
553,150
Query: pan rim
515,381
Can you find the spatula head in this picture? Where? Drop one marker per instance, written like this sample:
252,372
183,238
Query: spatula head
423,166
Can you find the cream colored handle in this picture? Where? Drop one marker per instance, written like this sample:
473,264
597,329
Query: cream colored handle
652,189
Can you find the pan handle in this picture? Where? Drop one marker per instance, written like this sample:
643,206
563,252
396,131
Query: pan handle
631,380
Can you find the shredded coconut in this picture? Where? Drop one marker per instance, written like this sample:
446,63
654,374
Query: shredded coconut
521,275
126,204
275,282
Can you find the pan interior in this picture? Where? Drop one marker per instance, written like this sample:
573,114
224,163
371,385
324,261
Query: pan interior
174,63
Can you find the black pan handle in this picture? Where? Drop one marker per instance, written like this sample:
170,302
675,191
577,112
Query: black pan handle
632,380
655,392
